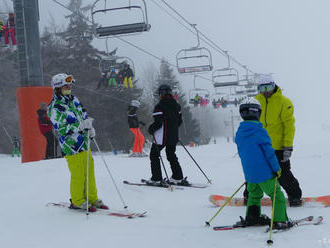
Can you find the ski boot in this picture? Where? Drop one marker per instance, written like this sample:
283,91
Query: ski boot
282,225
82,206
99,204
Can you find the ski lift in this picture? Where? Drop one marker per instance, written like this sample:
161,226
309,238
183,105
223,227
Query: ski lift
225,77
195,59
198,92
138,26
108,63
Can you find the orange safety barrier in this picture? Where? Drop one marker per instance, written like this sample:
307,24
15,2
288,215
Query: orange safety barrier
33,143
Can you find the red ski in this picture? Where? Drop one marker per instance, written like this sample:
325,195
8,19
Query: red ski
219,200
117,213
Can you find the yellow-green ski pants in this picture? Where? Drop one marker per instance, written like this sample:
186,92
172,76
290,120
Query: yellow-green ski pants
77,164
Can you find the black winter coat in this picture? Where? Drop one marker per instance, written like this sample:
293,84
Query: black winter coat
167,120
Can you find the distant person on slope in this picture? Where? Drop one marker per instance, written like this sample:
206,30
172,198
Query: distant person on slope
278,119
165,131
134,123
75,129
261,168
46,129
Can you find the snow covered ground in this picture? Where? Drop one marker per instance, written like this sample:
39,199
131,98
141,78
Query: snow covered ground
175,219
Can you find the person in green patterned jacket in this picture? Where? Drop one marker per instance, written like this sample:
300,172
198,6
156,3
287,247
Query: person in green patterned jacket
71,121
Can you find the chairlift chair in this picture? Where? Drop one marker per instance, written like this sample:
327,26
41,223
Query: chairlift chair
225,77
200,92
141,25
116,62
194,60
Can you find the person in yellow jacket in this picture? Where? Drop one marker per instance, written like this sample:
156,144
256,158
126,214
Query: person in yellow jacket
75,128
278,119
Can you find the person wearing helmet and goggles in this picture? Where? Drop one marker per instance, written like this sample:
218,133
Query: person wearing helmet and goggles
277,118
75,128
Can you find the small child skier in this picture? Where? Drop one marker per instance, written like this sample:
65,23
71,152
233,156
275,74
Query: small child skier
261,168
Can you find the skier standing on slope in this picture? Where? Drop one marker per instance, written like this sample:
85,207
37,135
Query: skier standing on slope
165,131
71,121
261,168
278,119
134,123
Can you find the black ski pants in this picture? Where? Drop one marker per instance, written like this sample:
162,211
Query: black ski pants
287,180
156,170
52,143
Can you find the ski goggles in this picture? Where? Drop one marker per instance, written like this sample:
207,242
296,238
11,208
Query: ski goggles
266,88
69,79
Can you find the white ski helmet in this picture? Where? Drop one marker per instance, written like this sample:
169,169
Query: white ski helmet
62,79
265,79
135,103
250,109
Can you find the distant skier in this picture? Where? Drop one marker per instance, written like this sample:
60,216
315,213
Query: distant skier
16,147
112,78
71,121
278,119
261,168
46,129
128,75
165,131
10,30
134,123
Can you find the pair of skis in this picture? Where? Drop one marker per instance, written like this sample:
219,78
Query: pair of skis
116,213
144,182
310,220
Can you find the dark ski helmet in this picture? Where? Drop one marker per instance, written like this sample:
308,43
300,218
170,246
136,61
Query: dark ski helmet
250,109
164,90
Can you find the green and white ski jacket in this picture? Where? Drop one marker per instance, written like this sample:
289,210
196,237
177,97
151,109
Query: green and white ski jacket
66,113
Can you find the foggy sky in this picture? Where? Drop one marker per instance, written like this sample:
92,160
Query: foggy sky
288,38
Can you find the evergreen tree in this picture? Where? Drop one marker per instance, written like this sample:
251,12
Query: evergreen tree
71,51
189,130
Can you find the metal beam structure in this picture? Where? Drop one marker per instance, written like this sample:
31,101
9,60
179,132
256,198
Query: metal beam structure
28,40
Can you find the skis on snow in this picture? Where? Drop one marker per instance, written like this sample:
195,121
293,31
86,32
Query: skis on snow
116,213
144,182
299,222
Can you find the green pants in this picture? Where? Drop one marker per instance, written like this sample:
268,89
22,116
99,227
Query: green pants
256,192
16,151
112,81
78,167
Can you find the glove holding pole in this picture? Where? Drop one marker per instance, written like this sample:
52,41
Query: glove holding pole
87,125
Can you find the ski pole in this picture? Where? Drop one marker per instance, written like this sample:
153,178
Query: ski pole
209,181
270,240
228,200
109,172
87,172
162,162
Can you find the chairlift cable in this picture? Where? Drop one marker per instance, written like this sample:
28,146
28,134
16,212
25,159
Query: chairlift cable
208,40
131,44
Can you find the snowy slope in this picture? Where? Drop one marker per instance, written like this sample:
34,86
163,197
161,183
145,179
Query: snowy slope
175,219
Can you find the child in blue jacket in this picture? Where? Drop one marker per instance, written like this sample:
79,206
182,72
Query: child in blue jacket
260,166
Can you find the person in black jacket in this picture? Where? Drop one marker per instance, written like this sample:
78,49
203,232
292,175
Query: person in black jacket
134,126
165,131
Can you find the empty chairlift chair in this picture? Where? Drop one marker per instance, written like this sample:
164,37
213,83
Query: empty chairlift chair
140,25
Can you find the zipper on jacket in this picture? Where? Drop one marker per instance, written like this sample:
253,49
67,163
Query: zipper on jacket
266,112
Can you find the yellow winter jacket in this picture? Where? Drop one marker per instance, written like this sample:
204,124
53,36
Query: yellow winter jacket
277,117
